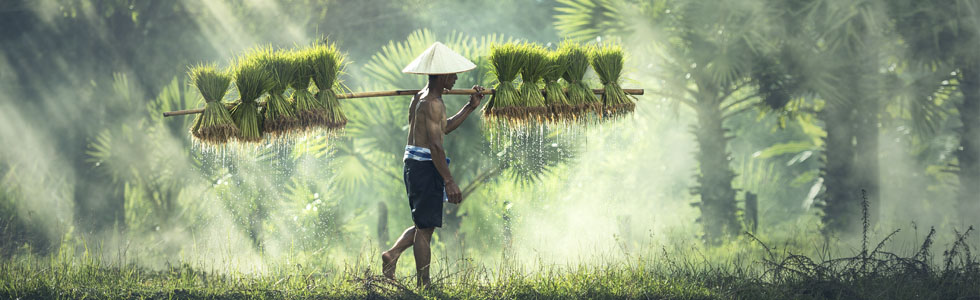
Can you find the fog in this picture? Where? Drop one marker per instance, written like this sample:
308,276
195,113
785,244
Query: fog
90,167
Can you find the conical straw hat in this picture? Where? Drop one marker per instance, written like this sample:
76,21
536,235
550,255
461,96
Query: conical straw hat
439,59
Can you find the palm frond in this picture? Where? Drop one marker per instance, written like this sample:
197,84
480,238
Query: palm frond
584,20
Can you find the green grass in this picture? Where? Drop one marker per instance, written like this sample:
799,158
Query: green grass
579,94
745,267
31,281
252,81
556,99
759,273
279,116
328,64
535,59
504,105
214,125
311,114
607,61
57,281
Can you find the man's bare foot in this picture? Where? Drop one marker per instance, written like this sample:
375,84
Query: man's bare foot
424,285
388,263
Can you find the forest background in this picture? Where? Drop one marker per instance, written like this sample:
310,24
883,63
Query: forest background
807,107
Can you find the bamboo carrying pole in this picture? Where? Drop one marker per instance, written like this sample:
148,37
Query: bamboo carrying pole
394,93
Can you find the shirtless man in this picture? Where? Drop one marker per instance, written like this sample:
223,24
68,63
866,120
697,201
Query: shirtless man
427,177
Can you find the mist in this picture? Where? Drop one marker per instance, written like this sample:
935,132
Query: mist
89,166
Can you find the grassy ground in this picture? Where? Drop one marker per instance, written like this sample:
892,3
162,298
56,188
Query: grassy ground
873,274
750,269
185,283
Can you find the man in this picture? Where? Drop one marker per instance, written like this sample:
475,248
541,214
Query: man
427,177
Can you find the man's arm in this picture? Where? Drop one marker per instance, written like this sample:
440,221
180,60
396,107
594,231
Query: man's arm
435,126
456,120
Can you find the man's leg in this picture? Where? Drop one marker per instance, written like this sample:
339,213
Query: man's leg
389,259
422,254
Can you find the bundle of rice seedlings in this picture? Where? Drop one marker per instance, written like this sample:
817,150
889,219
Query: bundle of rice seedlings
309,112
327,63
252,81
555,97
607,61
505,62
535,65
214,125
279,116
580,96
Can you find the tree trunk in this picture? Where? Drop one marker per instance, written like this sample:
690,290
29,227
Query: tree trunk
968,155
751,212
715,176
840,210
866,132
851,154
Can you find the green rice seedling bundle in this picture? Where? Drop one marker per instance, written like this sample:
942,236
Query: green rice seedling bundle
327,63
555,97
607,61
252,81
580,96
214,125
535,65
309,112
279,116
505,62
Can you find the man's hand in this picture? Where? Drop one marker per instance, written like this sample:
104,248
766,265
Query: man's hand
475,98
453,193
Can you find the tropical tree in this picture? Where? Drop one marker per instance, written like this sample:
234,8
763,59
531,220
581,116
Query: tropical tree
835,52
943,36
131,154
708,54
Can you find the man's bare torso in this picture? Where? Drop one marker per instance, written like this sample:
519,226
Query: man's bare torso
420,112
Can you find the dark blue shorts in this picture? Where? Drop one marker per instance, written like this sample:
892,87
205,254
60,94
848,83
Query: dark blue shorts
425,189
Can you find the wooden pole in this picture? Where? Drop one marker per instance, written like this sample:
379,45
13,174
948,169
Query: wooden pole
395,93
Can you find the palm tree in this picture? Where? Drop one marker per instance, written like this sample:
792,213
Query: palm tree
946,34
139,158
840,44
708,52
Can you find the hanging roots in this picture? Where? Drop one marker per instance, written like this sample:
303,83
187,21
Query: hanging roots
214,125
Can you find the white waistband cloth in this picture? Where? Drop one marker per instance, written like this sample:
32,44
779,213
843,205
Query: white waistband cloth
423,154
419,154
